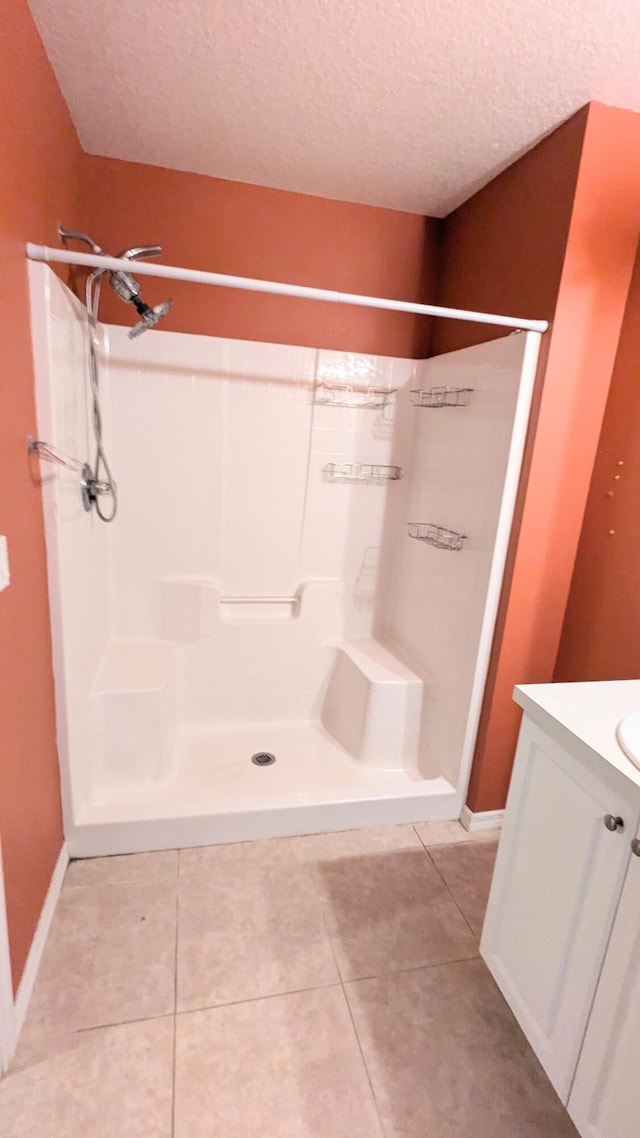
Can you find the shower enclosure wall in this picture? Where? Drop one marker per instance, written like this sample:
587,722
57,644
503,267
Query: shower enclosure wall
306,563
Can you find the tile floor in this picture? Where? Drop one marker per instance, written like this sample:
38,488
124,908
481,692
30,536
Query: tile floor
320,987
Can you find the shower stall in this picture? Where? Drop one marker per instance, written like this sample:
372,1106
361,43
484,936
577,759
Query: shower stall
287,626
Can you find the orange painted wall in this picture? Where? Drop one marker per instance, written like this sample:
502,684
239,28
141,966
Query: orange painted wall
600,638
590,288
39,160
503,250
230,227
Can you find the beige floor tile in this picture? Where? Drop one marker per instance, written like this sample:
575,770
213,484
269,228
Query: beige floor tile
160,867
207,859
111,1083
246,932
352,843
288,1067
110,957
446,1058
444,833
390,911
467,871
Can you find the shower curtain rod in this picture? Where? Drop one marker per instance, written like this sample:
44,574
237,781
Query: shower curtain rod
222,280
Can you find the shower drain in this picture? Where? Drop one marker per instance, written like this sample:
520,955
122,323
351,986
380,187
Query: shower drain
263,759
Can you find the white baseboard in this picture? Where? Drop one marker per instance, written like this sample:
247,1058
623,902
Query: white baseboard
13,1013
27,982
482,819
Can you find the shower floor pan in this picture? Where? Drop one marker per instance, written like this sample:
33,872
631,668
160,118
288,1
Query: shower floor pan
217,794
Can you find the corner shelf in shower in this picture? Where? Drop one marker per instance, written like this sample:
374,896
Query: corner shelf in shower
437,536
336,395
441,397
361,472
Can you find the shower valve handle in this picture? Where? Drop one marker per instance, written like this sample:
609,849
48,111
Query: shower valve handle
91,488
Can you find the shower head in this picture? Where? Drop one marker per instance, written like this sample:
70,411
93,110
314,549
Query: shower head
150,316
127,288
124,284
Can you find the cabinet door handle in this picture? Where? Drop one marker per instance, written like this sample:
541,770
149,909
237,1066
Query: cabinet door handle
635,847
613,823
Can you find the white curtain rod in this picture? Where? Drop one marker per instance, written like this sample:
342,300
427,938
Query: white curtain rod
195,276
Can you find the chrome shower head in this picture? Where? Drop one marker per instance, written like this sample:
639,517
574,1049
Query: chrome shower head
150,316
127,288
124,284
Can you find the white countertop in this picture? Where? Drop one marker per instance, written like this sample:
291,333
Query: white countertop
589,712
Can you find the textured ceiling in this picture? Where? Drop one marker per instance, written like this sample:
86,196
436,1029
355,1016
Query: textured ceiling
411,104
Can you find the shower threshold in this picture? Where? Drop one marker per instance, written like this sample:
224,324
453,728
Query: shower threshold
217,794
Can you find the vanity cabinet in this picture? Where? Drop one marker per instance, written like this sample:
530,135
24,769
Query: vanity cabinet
605,1097
563,927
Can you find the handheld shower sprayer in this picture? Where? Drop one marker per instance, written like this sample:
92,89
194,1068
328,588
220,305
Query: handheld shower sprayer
150,316
97,481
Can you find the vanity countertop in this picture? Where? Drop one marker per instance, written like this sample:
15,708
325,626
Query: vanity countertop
583,717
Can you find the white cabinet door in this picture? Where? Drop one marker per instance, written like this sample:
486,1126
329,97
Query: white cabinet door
556,887
605,1099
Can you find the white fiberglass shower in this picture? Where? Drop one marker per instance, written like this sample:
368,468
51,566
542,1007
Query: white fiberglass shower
305,568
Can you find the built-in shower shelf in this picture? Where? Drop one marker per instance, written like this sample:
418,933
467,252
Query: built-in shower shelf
338,395
361,472
441,397
437,536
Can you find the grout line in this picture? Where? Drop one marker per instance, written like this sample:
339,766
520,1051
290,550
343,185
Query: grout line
121,1023
258,999
419,837
467,843
138,884
400,971
447,845
346,1000
142,880
478,838
424,844
473,932
412,968
350,1012
362,1056
441,845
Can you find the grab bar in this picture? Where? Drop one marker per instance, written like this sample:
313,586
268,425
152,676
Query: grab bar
49,453
258,600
